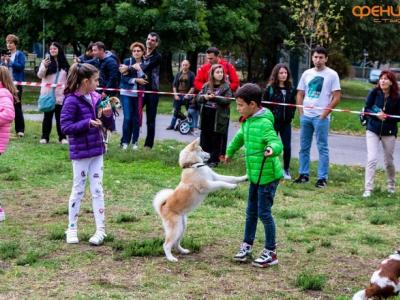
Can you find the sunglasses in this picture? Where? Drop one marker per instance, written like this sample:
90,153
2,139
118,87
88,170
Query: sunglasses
137,50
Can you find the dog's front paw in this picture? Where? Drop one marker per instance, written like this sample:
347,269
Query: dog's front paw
243,178
232,186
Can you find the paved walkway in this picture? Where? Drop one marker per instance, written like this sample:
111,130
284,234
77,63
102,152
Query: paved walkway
343,149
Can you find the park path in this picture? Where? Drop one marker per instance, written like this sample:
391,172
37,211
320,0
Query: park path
344,149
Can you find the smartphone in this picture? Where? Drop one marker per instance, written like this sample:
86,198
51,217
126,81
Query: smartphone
376,109
47,56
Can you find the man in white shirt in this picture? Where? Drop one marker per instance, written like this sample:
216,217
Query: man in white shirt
319,92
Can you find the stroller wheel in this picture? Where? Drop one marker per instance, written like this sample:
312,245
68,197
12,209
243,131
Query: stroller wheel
184,127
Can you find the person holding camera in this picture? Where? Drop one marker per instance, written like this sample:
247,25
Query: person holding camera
14,60
53,70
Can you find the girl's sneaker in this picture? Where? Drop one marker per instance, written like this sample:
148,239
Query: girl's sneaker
2,214
244,253
266,259
286,175
134,146
72,236
98,238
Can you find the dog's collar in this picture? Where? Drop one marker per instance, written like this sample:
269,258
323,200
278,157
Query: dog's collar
195,166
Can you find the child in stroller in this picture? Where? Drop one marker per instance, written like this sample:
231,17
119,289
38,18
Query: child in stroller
184,122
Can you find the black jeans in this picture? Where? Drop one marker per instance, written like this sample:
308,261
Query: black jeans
285,131
151,103
48,123
19,115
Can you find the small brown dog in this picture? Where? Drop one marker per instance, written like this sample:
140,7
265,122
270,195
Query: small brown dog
384,281
197,181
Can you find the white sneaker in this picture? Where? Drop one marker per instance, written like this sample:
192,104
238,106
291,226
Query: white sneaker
134,147
72,236
2,214
124,146
286,175
64,142
366,194
43,141
391,190
20,134
98,238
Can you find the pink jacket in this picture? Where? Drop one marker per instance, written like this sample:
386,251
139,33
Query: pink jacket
62,79
6,116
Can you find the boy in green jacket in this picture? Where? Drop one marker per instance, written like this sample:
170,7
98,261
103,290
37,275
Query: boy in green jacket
262,150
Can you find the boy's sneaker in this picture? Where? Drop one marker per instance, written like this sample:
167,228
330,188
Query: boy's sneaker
286,175
302,179
98,238
266,259
244,253
2,214
391,190
124,146
321,183
134,146
72,236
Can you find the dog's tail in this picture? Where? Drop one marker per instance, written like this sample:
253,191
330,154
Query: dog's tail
161,198
360,295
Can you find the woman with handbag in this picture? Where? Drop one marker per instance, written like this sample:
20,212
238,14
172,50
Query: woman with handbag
53,70
383,100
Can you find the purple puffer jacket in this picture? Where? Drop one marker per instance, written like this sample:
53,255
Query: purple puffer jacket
76,113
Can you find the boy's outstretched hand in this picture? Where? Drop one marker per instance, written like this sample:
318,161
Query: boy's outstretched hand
268,151
227,160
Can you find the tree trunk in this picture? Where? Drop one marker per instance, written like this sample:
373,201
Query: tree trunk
166,75
192,58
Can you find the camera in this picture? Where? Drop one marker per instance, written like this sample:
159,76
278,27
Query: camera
5,52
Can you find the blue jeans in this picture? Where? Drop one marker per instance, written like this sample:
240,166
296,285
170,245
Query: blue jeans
177,108
131,124
194,114
307,127
259,205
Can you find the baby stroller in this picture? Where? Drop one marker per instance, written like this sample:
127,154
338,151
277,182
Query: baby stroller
183,123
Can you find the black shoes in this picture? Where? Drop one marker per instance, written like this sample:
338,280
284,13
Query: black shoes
321,183
302,179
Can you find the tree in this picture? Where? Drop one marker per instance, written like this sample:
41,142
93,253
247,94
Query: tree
317,22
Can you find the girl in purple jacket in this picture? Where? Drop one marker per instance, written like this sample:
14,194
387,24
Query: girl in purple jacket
86,146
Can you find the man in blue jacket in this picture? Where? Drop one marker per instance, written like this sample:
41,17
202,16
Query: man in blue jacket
108,65
15,61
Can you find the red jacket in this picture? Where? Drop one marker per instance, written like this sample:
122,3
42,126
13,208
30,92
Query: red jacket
229,69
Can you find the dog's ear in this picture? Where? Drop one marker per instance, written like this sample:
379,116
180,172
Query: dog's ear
196,142
193,145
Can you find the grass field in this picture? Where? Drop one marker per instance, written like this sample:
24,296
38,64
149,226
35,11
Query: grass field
329,241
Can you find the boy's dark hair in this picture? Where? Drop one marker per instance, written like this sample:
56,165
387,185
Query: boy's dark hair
320,50
213,50
250,92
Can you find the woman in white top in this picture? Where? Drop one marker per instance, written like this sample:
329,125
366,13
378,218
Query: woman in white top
53,68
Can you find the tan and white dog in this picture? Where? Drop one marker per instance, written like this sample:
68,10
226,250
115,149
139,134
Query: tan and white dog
384,281
197,181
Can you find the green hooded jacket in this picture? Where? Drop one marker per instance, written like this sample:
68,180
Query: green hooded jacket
256,133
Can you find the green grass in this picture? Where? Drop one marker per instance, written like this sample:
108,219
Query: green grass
355,88
327,239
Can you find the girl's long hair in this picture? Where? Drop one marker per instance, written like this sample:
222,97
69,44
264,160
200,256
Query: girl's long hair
7,82
77,73
394,88
61,59
274,79
211,80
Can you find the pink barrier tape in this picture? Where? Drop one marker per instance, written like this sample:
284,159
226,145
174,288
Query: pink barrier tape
342,110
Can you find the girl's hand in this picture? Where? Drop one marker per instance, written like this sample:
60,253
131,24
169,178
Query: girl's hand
176,97
137,67
107,112
268,152
95,123
46,62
